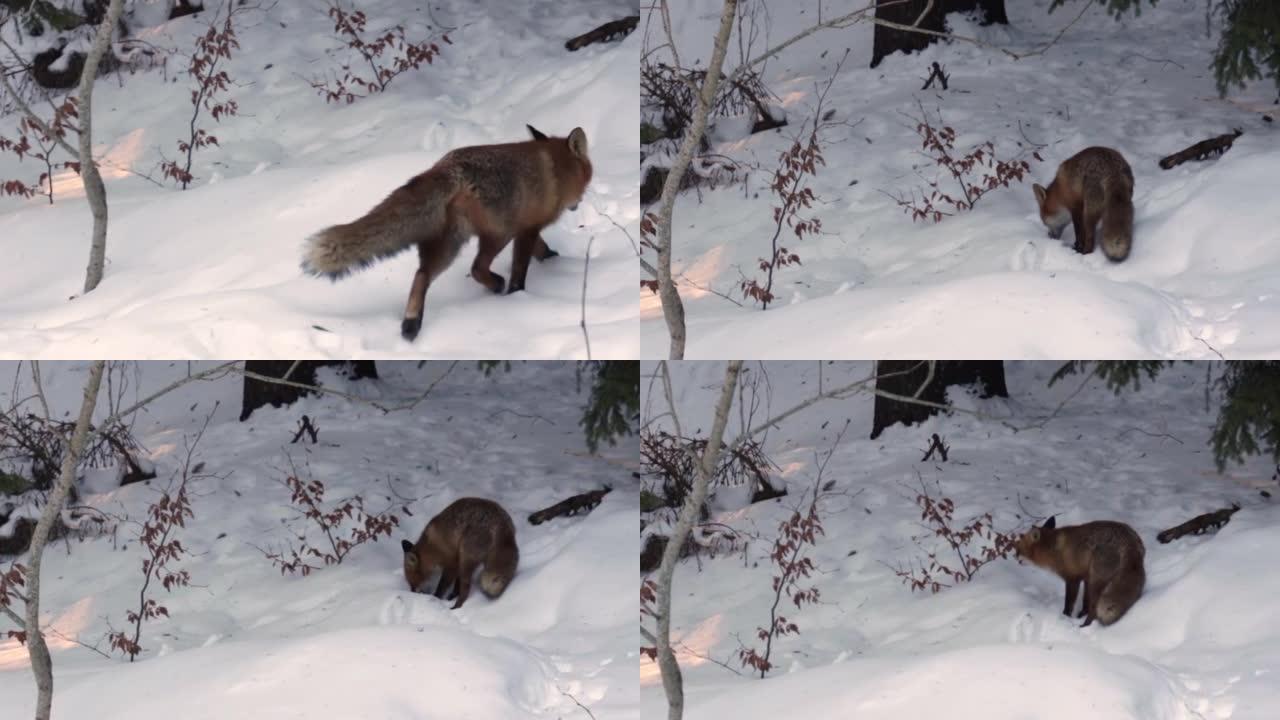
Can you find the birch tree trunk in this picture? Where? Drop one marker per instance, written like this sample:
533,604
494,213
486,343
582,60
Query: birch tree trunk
672,681
672,306
94,190
41,663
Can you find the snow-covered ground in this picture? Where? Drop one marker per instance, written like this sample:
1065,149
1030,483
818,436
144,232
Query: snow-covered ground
351,641
1204,274
214,271
1202,643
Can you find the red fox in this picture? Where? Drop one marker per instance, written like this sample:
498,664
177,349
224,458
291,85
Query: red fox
466,534
1105,555
497,192
1094,185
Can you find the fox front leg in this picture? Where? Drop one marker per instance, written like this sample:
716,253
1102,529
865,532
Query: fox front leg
1084,232
446,579
1073,589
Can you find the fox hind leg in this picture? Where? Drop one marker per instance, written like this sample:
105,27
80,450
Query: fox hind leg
1084,233
489,248
412,322
525,245
465,573
434,255
542,251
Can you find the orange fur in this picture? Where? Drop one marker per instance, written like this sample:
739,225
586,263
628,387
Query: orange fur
1106,556
1093,186
468,534
498,193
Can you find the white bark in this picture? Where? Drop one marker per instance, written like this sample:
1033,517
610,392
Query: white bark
672,681
41,663
94,190
672,306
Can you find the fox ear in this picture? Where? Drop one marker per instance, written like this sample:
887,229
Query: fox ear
408,547
1051,523
1040,193
536,133
578,143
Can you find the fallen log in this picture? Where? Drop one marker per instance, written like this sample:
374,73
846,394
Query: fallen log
1199,524
1202,150
584,503
615,30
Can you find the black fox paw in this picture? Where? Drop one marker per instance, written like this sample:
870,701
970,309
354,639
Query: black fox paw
548,255
410,327
496,282
515,287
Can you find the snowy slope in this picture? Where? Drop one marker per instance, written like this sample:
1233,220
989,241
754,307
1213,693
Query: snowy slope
352,641
1205,267
1202,642
213,271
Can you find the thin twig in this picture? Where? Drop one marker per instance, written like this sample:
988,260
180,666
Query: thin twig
87,646
1045,420
575,702
582,319
1149,434
634,247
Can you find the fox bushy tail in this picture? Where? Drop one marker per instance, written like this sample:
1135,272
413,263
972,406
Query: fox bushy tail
412,213
499,567
1117,226
1121,593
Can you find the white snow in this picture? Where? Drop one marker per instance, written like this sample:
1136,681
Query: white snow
351,641
1203,641
1204,275
214,271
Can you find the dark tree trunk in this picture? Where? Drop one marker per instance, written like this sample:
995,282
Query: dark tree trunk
903,377
258,393
987,373
890,40
992,10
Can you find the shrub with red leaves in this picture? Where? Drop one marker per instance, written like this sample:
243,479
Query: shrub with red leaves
795,534
39,141
308,496
210,80
648,596
975,173
10,580
974,544
649,228
388,55
169,512
789,185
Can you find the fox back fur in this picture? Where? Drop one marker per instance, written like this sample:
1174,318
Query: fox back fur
496,192
470,532
1094,185
1106,556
